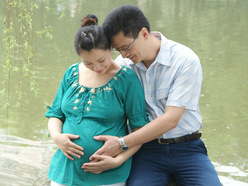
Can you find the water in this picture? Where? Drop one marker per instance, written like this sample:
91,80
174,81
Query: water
215,29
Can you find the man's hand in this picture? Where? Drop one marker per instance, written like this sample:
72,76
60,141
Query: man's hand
100,164
67,146
111,146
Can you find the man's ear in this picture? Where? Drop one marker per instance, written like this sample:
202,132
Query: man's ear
145,33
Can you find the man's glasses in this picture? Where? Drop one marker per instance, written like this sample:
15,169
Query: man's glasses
127,49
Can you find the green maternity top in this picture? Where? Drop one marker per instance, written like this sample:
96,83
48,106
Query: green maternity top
89,112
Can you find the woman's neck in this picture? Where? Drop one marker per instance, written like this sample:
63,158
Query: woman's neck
91,79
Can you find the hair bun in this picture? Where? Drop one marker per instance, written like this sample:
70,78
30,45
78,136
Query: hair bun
90,19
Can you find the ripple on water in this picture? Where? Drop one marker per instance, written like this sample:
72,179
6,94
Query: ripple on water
24,162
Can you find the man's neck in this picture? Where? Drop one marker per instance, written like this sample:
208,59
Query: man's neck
154,48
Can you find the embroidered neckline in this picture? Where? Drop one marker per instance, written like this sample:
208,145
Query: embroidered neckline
93,91
76,74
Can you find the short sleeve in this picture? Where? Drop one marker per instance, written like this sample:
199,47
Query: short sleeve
185,91
55,110
135,107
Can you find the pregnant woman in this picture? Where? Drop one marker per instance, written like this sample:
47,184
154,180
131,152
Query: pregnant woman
96,97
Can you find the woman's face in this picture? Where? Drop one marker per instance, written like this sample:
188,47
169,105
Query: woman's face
97,60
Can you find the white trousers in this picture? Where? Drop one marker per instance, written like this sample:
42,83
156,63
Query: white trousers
116,184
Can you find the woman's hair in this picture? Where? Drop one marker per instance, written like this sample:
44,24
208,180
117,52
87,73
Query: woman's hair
127,18
90,36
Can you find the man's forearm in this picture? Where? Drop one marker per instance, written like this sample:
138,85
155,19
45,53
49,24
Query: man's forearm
155,128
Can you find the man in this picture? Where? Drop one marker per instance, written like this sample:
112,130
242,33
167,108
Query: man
171,76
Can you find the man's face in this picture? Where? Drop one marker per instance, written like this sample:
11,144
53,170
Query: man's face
127,46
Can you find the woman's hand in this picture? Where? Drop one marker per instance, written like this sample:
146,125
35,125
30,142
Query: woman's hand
100,163
67,146
64,140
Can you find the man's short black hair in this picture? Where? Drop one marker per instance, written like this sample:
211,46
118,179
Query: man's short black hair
127,18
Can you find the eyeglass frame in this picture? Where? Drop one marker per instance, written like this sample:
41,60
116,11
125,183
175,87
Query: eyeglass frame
128,49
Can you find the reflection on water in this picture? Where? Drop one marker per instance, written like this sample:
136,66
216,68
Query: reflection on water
24,162
214,29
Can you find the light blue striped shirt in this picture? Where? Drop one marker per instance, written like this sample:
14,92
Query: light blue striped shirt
173,79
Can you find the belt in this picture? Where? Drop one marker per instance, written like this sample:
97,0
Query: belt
188,137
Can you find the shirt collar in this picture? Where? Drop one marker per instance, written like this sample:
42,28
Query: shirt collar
163,54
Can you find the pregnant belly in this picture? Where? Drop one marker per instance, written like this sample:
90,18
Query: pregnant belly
86,140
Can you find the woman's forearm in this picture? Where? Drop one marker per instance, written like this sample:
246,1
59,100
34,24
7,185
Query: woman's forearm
54,126
122,157
102,162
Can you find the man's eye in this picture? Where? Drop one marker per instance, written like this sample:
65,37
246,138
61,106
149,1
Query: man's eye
124,49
